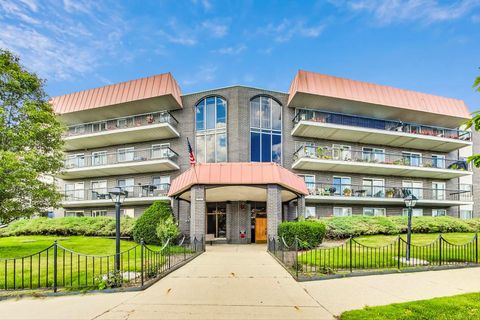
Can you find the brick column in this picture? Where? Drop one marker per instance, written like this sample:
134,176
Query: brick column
274,209
197,212
301,208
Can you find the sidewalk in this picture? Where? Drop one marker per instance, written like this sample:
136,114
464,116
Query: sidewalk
244,282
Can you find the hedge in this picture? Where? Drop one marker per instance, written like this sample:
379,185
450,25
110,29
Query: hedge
345,227
309,233
69,226
146,225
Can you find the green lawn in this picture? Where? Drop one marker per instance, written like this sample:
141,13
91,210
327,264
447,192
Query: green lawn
85,261
461,307
380,252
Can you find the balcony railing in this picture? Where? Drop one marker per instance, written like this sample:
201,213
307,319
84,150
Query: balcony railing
380,124
138,120
138,191
374,156
464,193
125,155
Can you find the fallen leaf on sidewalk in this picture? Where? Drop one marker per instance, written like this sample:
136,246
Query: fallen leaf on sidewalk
168,291
232,274
296,307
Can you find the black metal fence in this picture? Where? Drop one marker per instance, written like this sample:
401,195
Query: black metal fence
354,257
57,267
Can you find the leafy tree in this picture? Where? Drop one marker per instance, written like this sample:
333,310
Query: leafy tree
475,124
30,142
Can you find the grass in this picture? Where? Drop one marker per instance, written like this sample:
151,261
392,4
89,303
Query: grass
381,252
460,307
85,262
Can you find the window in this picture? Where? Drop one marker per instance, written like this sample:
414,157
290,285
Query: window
373,155
128,213
162,183
342,185
309,181
438,190
466,214
211,134
74,191
99,126
438,161
374,188
265,130
99,213
99,190
310,212
74,214
122,123
125,154
75,160
160,151
79,129
127,184
342,211
415,212
439,212
412,159
99,158
374,212
342,152
413,187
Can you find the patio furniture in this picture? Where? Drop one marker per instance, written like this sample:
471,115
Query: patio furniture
360,193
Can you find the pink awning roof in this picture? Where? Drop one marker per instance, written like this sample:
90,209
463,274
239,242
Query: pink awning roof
342,88
123,92
237,173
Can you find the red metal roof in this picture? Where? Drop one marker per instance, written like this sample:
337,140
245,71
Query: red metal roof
237,173
139,89
342,88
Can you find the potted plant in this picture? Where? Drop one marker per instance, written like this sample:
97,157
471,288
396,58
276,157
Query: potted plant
347,192
390,193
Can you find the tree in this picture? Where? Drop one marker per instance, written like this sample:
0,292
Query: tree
475,124
30,143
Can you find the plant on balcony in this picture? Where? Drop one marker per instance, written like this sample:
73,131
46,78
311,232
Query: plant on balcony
398,162
390,193
319,152
427,165
347,192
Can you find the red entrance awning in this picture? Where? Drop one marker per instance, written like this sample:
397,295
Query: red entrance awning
237,173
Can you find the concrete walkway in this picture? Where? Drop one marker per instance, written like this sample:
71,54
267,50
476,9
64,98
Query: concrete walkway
245,282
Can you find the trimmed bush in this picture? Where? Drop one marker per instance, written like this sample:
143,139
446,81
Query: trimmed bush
167,229
69,226
345,227
310,233
146,225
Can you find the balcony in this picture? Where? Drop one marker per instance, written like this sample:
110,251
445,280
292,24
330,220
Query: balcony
341,127
124,161
387,195
138,128
373,161
137,195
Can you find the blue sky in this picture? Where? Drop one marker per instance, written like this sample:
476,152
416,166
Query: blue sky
425,45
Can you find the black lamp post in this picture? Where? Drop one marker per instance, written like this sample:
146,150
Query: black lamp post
410,202
117,195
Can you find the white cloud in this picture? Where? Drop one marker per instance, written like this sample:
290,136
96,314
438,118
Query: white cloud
206,73
206,4
287,29
216,29
231,50
181,34
426,11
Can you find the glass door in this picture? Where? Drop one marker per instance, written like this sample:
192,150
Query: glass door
217,220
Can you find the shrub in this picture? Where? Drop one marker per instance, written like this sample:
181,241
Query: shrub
310,233
167,229
146,225
345,227
69,226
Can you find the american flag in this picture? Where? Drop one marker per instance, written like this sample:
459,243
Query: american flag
190,153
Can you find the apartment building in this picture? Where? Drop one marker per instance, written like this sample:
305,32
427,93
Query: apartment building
330,146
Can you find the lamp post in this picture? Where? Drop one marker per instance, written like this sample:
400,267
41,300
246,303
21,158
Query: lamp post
410,202
117,195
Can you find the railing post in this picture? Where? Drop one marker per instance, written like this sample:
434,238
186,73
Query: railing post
399,251
351,255
476,248
142,244
296,256
440,238
55,249
195,244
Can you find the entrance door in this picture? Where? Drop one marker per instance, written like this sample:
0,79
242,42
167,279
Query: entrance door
260,230
217,220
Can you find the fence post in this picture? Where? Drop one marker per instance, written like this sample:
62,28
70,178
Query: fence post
476,248
195,244
399,252
55,249
440,238
296,256
142,262
351,255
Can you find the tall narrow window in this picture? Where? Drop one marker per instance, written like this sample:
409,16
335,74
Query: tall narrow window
211,132
265,130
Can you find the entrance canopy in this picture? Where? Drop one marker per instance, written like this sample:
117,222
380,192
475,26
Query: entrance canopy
238,181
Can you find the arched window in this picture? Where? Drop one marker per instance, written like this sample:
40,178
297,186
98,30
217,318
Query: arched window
265,130
211,132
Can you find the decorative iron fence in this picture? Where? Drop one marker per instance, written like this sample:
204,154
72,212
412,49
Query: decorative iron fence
353,257
57,267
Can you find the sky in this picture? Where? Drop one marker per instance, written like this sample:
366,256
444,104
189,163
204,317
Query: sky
425,45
